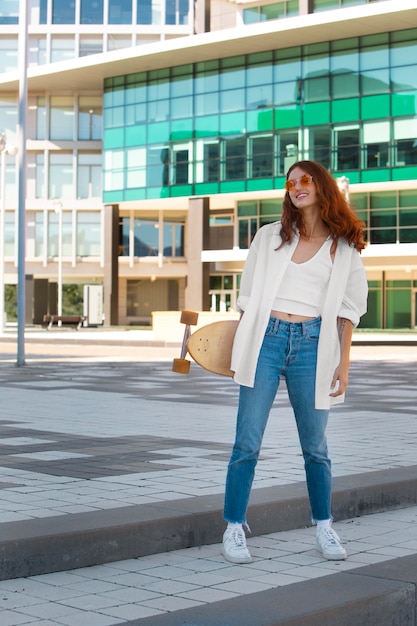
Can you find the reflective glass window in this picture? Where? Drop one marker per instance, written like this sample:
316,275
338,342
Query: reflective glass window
374,57
39,234
62,48
43,11
63,11
88,236
208,161
90,117
120,12
54,234
144,11
9,12
61,120
345,85
262,156
91,12
8,54
89,175
40,189
319,145
404,78
90,45
235,158
8,113
60,175
115,42
404,53
376,81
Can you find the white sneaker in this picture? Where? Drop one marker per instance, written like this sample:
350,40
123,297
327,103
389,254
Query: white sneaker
234,545
329,544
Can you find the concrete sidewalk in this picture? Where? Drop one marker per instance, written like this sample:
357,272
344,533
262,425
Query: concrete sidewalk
107,456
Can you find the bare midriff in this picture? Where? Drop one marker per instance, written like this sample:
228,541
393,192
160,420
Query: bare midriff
290,317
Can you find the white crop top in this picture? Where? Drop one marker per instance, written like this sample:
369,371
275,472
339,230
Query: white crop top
302,287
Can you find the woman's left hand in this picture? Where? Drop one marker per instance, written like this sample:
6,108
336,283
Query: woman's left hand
340,380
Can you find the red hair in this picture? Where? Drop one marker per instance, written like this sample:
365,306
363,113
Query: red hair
336,212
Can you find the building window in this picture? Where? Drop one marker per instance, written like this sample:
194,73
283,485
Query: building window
61,118
8,54
90,45
89,175
53,233
40,189
91,12
90,117
8,114
9,233
9,13
88,236
253,214
39,234
60,175
148,11
62,49
40,117
275,11
120,12
37,51
63,11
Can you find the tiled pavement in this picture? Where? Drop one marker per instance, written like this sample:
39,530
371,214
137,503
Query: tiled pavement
84,430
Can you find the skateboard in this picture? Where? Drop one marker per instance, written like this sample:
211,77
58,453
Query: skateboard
210,346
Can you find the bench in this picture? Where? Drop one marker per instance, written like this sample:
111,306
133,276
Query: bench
63,320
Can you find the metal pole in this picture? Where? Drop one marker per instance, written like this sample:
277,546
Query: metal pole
21,258
58,209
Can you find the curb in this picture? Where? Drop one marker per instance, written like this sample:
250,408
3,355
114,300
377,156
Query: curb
40,546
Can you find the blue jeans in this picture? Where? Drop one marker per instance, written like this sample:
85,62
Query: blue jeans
290,350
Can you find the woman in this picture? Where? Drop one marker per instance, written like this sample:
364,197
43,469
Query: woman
302,292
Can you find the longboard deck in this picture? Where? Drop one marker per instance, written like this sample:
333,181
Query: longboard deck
211,346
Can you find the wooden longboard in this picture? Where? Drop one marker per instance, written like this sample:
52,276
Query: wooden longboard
211,346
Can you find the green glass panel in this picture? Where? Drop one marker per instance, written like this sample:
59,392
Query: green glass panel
232,123
354,177
113,138
154,192
375,106
316,113
408,198
181,129
408,217
398,284
345,85
112,196
135,194
345,110
373,316
404,173
258,184
158,133
136,136
404,103
374,284
287,117
359,200
373,176
247,208
259,57
279,182
205,189
207,126
232,186
270,207
259,120
383,199
181,190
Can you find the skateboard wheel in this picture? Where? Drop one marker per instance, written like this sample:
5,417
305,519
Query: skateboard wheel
189,317
181,366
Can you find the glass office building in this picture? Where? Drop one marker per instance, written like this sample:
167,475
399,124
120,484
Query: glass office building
167,158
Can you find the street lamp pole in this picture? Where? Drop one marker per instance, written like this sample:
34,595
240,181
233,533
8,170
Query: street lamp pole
58,210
